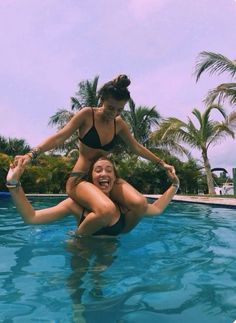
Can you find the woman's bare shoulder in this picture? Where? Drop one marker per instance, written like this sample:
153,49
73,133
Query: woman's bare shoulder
84,111
120,123
81,116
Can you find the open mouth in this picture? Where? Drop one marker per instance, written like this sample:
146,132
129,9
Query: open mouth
104,183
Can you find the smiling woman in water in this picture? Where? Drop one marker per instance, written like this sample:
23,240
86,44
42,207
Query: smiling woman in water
103,175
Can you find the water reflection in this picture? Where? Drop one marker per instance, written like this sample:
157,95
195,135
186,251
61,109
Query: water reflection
90,259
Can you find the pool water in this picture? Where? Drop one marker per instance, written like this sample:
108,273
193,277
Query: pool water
179,267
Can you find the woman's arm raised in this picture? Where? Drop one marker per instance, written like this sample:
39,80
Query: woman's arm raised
25,208
160,205
56,139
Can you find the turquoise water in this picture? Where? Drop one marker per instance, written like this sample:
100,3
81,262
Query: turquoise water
179,267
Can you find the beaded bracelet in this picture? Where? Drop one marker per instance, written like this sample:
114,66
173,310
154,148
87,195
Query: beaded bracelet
34,153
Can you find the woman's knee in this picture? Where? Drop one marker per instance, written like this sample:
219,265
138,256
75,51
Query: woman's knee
72,188
105,210
104,207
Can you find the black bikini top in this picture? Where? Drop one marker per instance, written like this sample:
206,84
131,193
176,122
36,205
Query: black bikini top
92,140
113,230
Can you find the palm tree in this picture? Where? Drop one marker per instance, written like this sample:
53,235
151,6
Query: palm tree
166,145
13,146
217,63
208,132
141,121
86,96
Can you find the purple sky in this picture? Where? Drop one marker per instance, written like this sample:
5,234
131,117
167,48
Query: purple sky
48,47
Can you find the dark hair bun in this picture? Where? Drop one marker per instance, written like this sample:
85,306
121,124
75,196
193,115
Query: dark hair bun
116,88
122,81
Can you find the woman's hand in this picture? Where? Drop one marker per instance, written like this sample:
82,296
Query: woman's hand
173,177
14,174
168,168
22,160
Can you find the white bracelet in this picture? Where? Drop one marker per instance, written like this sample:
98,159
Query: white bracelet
13,184
176,186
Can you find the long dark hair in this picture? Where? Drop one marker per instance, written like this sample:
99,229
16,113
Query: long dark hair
116,88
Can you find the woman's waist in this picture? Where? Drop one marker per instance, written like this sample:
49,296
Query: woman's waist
92,153
83,163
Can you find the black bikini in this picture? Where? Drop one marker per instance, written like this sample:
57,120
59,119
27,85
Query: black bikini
92,140
113,230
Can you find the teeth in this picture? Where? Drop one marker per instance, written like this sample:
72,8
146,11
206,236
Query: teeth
104,182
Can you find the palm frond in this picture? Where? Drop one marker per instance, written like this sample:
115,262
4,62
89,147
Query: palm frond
219,133
87,93
221,130
198,115
150,116
193,130
214,63
168,128
13,146
188,137
207,125
225,91
169,145
60,118
175,130
75,104
231,120
141,120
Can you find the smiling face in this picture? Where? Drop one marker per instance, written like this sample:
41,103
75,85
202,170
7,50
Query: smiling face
112,108
103,175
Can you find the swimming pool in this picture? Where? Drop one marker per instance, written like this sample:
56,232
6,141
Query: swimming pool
179,267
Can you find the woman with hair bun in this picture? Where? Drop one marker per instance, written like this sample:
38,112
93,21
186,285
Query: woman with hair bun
98,130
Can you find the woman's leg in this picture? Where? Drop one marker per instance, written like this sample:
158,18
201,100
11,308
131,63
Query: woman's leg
126,195
91,198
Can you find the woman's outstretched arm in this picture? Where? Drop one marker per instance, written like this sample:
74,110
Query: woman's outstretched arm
160,205
156,208
139,149
26,210
56,139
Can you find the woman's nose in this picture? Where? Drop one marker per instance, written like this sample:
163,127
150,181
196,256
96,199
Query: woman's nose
103,172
